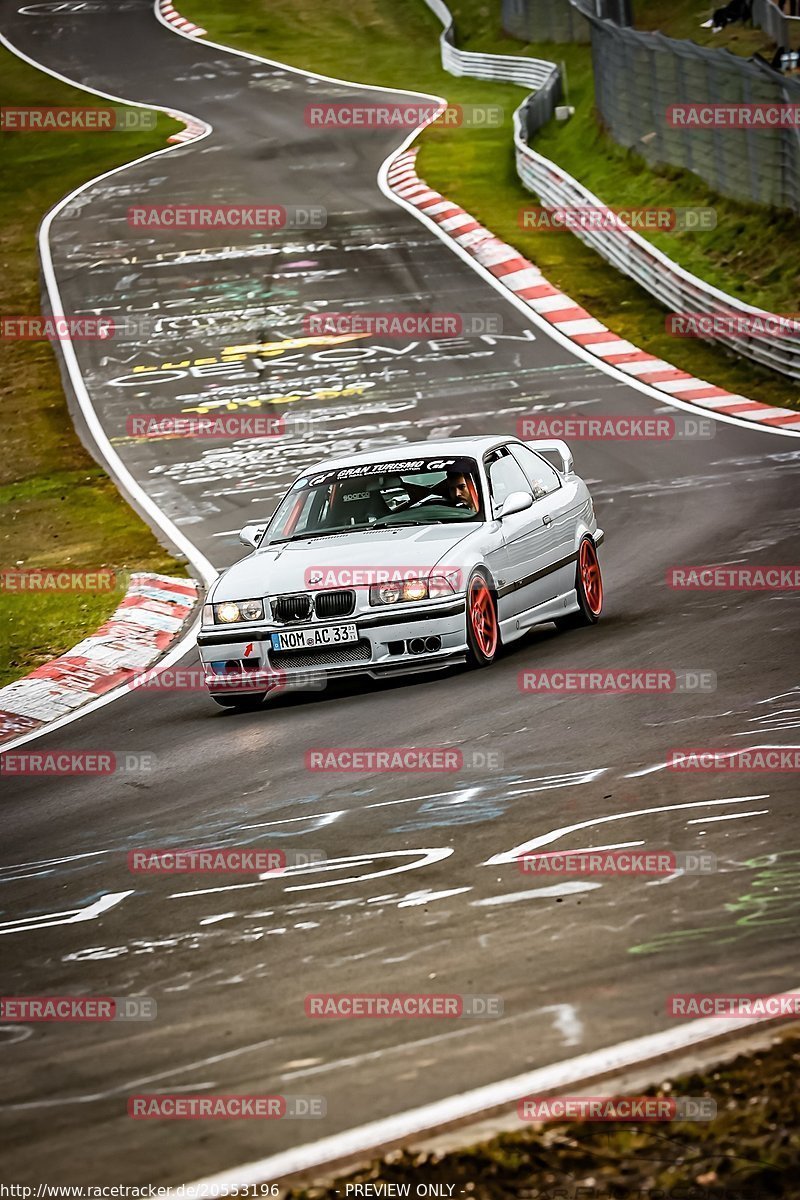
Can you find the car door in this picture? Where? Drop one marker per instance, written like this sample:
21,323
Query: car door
527,538
557,499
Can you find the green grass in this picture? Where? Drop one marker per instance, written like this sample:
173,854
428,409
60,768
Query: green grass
684,19
752,254
57,507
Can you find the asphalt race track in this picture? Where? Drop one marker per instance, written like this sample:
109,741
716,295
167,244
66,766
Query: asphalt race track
424,897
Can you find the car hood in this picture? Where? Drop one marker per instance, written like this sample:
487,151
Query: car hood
292,566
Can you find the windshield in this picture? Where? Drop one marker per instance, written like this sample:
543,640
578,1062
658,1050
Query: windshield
423,491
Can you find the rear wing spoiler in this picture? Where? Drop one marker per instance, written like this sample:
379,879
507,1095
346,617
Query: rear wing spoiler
558,447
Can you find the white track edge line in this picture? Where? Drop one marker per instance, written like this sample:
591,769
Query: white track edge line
118,472
472,1104
122,477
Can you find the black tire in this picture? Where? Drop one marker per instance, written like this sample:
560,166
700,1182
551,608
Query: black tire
483,627
589,587
240,703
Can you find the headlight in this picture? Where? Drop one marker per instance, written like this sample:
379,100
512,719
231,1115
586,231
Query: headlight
242,610
411,589
386,593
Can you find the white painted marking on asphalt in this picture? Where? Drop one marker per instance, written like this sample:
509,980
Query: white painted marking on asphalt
722,754
70,916
133,1085
568,888
565,1022
424,897
544,839
323,819
728,817
429,856
51,862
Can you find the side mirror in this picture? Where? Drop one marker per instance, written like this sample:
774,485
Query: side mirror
251,535
556,446
516,502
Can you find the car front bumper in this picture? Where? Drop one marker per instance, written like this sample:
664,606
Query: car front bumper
233,656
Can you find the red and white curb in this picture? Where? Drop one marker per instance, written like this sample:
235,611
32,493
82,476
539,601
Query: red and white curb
141,629
528,283
194,129
169,14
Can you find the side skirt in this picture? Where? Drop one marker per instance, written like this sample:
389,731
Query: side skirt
514,627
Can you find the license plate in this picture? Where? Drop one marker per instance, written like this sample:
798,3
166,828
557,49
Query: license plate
310,639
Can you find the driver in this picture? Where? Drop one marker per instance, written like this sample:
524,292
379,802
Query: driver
458,491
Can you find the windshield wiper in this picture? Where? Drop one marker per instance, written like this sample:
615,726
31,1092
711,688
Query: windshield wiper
397,524
321,533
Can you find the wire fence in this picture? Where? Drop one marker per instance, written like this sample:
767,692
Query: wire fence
555,21
673,287
560,20
639,76
782,28
678,290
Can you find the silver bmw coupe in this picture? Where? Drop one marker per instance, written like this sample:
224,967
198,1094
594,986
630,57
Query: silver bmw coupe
414,558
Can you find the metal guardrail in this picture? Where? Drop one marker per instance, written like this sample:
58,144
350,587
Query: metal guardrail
677,289
781,27
618,11
508,68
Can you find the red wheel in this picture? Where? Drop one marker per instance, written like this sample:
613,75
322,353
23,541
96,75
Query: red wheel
591,579
483,634
588,589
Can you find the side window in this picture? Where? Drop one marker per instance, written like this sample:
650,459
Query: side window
506,476
542,478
